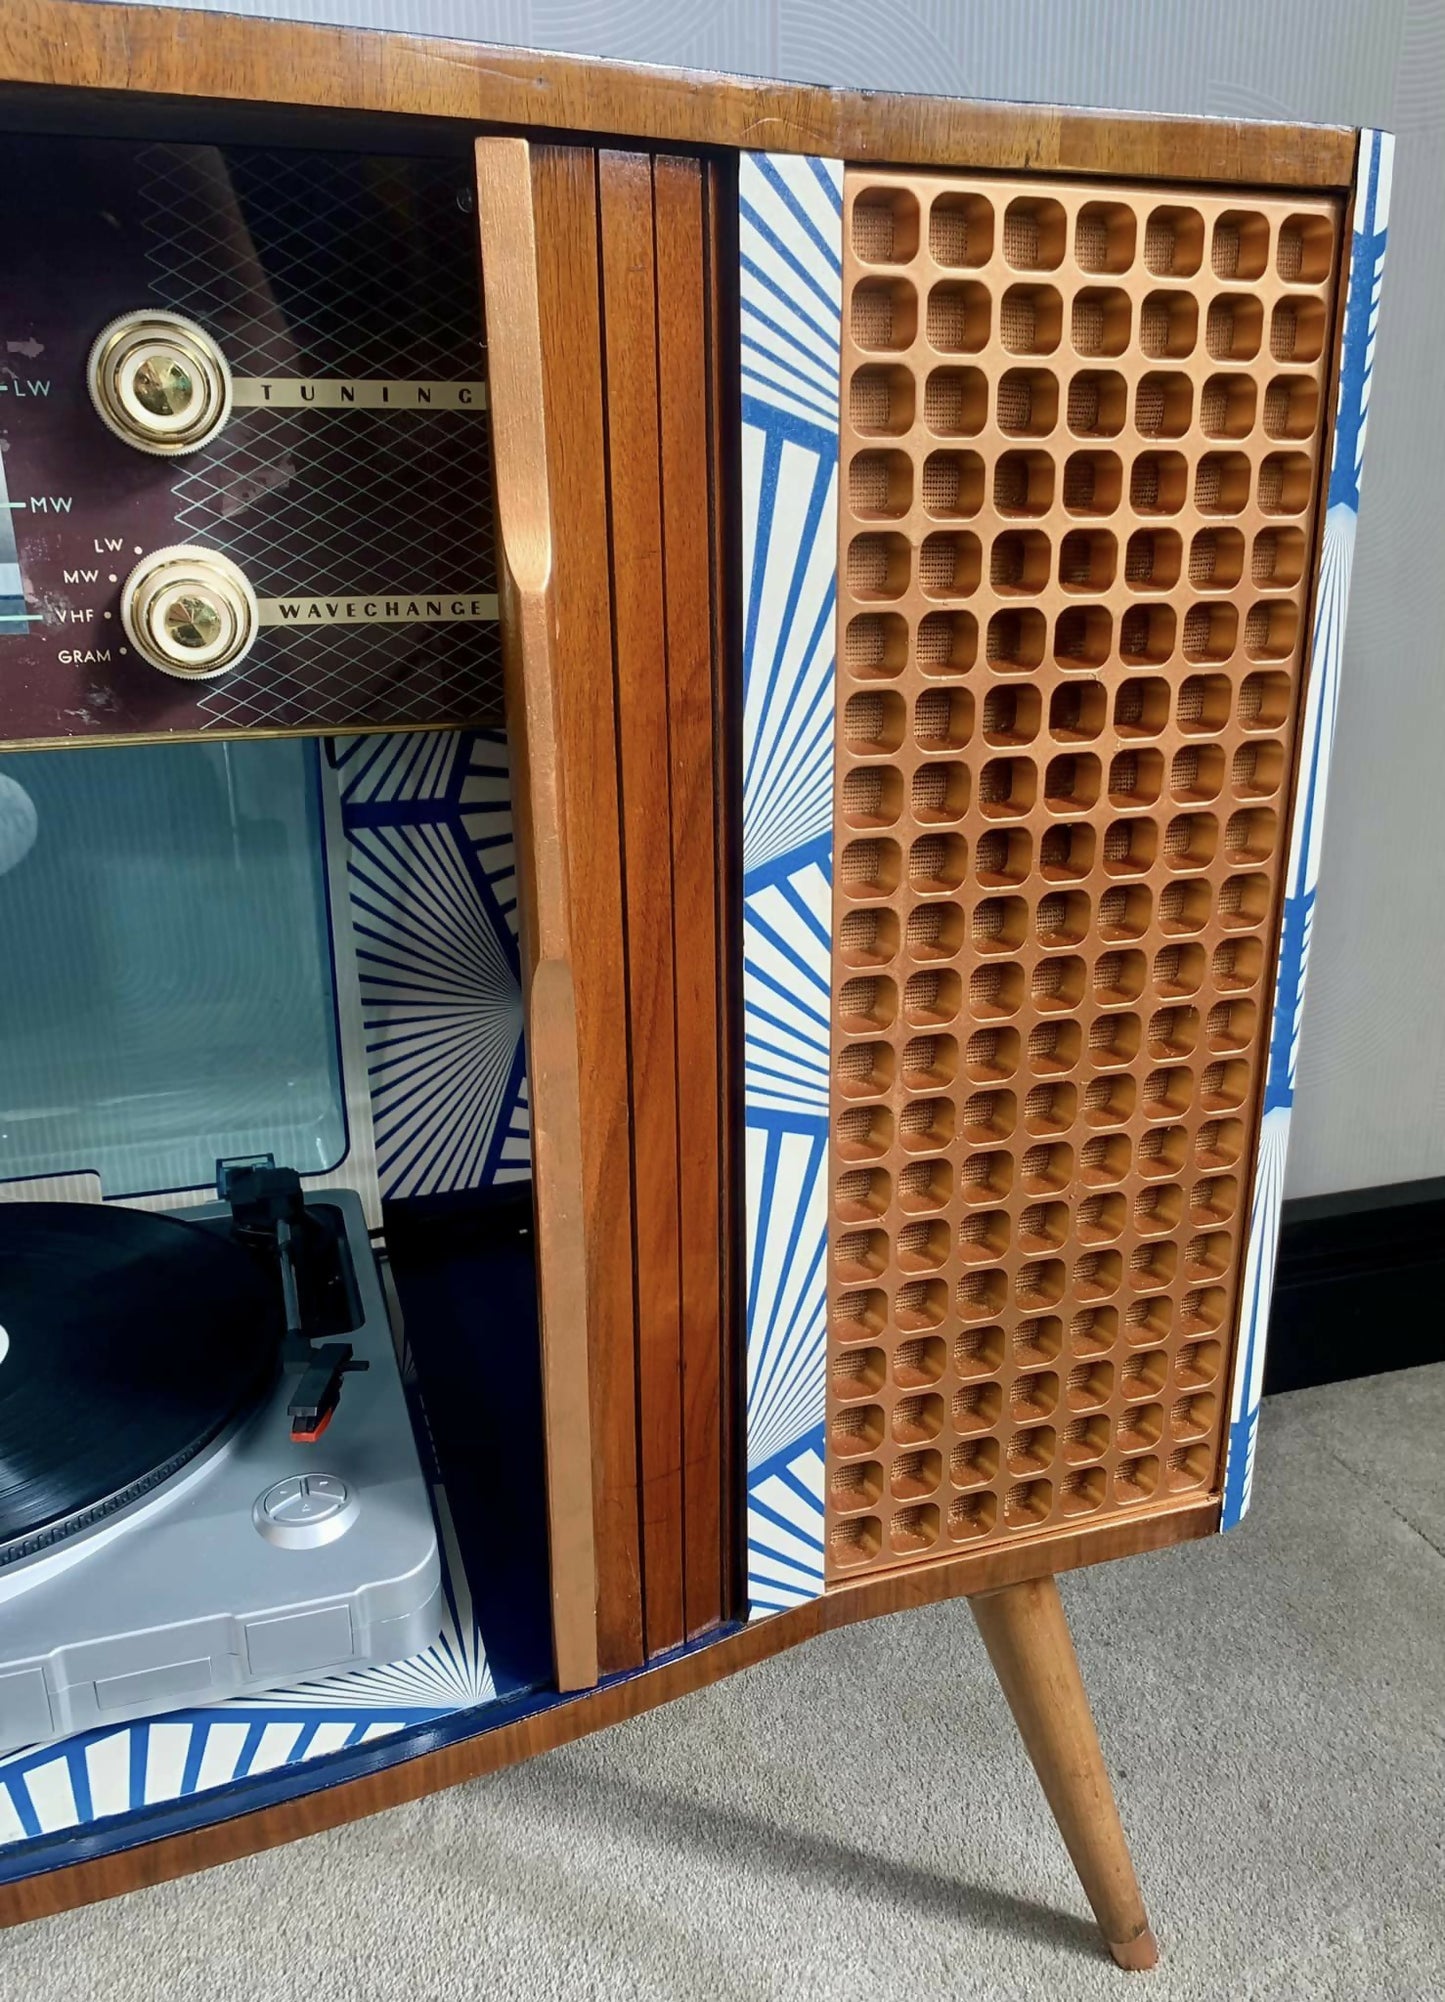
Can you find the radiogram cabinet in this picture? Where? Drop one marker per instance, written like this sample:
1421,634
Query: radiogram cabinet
788,643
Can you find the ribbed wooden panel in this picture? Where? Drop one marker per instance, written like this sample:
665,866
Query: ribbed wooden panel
628,299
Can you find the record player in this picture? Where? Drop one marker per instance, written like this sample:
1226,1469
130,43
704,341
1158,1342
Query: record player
208,1479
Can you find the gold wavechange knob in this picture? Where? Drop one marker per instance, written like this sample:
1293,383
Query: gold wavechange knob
189,612
159,382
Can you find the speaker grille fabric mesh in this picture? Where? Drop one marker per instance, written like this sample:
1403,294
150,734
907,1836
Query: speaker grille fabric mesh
1082,464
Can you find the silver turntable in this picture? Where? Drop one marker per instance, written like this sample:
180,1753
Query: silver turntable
275,1553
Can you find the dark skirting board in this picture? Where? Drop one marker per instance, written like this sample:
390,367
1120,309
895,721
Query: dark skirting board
1358,1286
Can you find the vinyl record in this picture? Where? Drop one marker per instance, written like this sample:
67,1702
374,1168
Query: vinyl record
127,1342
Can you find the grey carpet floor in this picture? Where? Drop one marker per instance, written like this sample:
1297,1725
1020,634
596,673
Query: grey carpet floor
856,1818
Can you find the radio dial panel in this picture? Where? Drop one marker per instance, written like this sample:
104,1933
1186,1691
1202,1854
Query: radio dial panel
269,359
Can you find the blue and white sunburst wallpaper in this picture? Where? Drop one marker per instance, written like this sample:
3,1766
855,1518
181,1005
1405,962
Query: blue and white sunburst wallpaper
433,873
1342,507
791,284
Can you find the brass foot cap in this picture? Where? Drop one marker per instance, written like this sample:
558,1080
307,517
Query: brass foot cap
1138,1953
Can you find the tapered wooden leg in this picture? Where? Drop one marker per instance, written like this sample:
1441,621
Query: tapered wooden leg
1032,1651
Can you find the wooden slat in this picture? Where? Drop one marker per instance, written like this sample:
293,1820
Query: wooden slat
724,417
225,57
688,477
526,570
640,653
565,199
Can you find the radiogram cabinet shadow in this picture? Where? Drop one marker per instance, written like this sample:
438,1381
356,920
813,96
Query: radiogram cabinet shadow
660,797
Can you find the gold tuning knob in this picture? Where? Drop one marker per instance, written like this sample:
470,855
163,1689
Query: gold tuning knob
189,612
159,382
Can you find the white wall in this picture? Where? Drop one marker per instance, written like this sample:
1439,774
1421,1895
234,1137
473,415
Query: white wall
1371,1104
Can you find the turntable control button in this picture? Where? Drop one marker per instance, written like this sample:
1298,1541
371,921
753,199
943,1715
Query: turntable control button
307,1498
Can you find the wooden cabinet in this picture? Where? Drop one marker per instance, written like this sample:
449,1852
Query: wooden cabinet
827,724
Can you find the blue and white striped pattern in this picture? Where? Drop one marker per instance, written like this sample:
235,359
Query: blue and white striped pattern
126,1768
1357,359
790,246
432,876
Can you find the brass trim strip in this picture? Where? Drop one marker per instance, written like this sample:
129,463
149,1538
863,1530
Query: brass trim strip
383,607
327,392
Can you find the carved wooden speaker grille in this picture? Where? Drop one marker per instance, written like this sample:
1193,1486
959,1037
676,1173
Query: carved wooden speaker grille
1081,450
